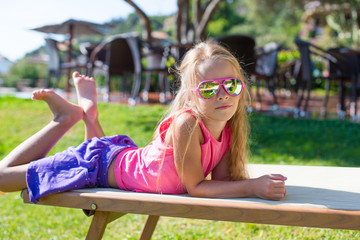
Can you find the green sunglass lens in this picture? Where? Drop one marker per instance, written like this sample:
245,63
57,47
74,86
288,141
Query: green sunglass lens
233,86
209,89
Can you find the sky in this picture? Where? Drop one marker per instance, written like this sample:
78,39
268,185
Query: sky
17,17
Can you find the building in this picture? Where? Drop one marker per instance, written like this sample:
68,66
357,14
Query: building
5,65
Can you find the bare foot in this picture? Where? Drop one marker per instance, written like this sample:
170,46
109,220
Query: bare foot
86,94
63,111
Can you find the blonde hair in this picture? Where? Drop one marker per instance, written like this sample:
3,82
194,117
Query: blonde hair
188,74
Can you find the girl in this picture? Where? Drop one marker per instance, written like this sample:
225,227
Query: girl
205,131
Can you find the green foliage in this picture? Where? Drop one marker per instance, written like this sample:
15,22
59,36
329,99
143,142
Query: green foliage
225,18
265,21
157,22
277,21
25,71
217,27
288,55
133,24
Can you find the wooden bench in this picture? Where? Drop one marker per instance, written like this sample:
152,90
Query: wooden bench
323,197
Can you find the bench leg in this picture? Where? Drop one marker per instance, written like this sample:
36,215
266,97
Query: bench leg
101,219
114,215
98,225
149,227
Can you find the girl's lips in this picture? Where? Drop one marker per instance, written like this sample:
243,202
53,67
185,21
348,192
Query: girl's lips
224,107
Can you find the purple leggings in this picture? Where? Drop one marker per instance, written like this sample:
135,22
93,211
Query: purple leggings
79,167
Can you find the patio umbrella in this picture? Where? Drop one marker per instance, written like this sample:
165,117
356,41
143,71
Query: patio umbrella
73,28
77,27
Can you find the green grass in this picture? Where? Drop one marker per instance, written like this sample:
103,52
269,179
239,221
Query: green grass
304,141
274,140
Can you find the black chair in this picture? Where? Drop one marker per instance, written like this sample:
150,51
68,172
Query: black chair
112,57
56,65
243,48
349,71
123,53
86,48
307,78
265,68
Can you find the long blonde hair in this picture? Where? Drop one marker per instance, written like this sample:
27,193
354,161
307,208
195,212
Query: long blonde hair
188,74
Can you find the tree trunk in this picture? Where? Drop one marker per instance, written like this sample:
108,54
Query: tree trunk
187,32
182,21
144,19
206,15
180,4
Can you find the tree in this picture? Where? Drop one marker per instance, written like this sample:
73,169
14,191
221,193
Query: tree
144,20
341,16
189,27
25,71
202,14
229,14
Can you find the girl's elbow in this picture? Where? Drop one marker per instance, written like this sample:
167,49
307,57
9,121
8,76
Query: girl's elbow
194,193
197,192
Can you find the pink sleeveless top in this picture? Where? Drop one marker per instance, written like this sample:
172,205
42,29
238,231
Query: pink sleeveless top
137,169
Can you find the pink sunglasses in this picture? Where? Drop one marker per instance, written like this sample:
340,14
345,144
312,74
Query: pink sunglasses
208,89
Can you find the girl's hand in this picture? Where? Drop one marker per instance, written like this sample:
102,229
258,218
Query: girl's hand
271,187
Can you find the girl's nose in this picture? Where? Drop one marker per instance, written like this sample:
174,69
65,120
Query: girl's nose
222,94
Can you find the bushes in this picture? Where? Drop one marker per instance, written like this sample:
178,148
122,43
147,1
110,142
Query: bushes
26,73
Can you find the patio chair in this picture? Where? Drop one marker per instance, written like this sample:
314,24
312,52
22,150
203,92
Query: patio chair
121,54
243,47
265,68
307,78
349,71
56,65
86,48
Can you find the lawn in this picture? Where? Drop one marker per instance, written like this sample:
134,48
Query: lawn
274,140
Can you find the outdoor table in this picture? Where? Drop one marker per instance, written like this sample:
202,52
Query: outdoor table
322,197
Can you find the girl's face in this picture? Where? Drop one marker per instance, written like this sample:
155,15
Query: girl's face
223,106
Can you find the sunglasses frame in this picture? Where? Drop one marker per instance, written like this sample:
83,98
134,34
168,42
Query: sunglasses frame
220,84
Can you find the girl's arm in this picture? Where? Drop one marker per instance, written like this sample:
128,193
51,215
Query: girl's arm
221,171
187,155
